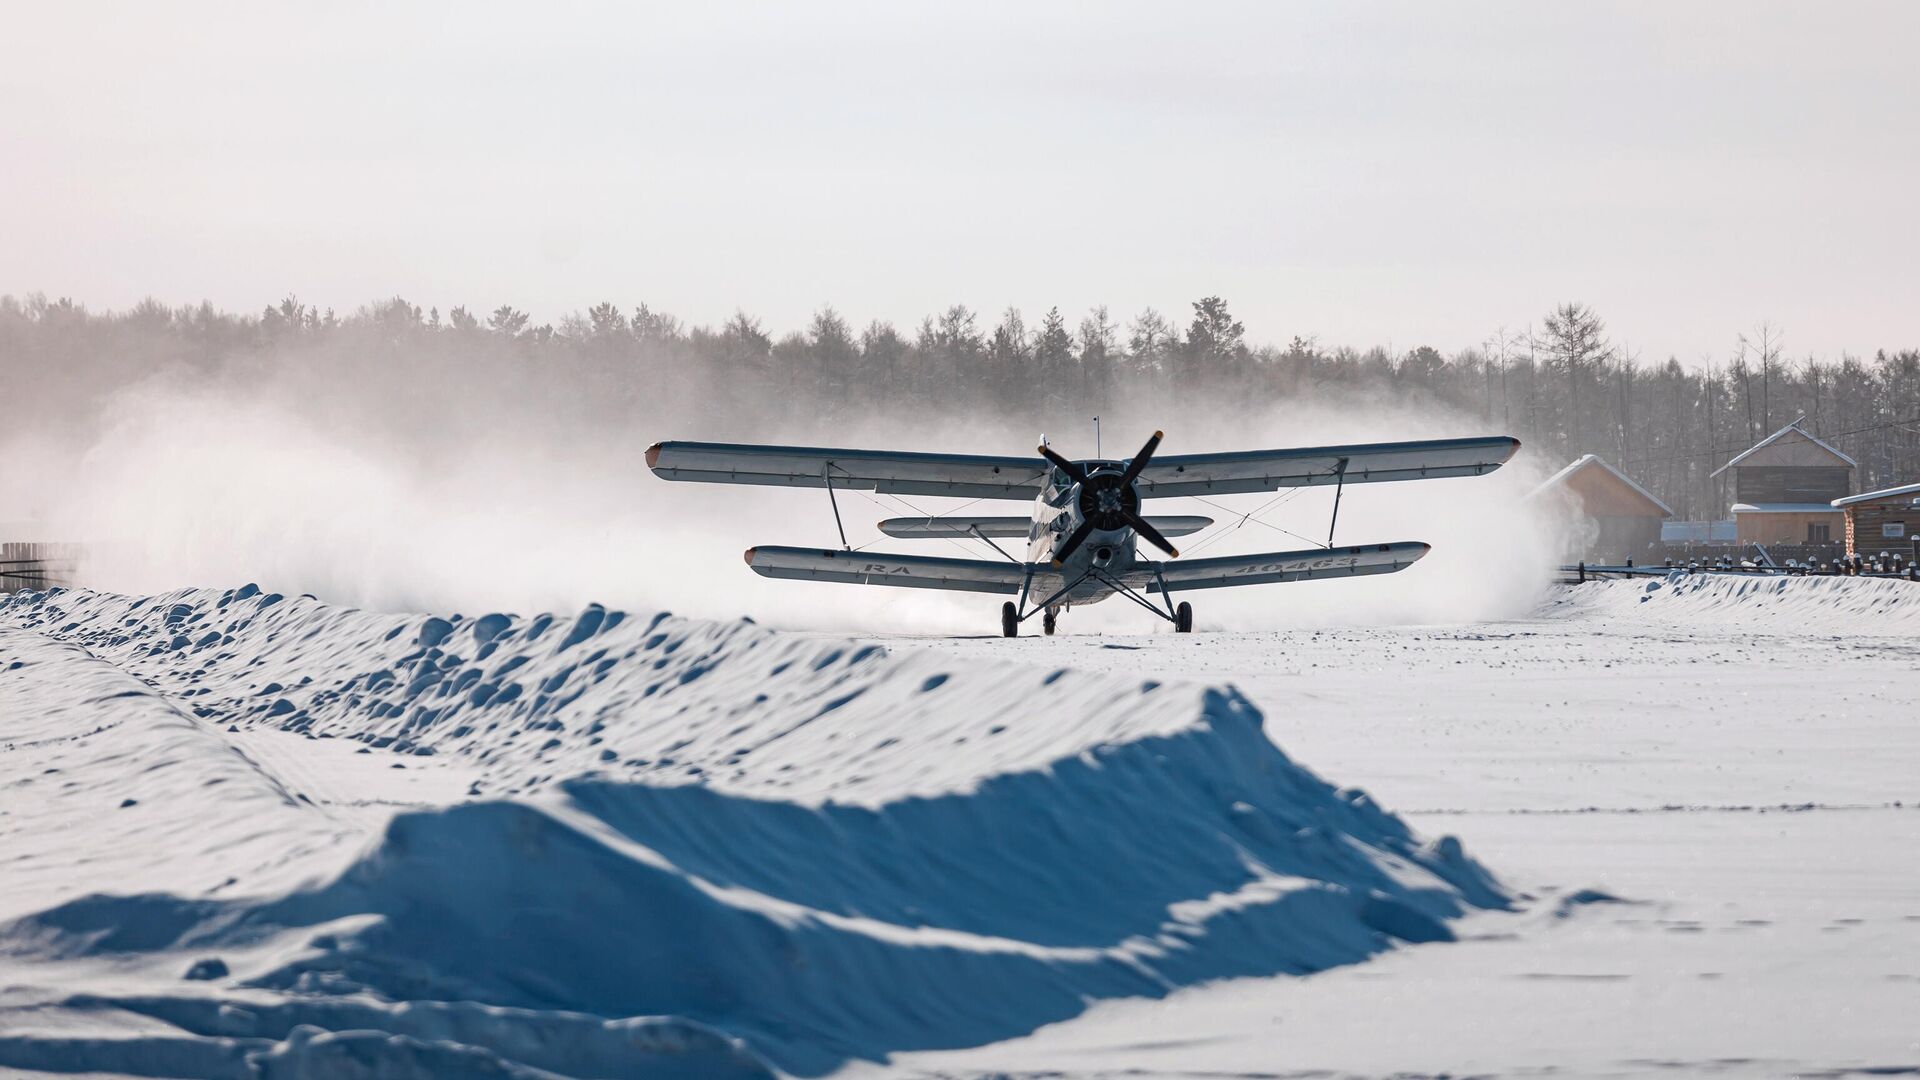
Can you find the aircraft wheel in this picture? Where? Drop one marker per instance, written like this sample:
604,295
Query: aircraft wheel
1047,622
1183,618
1009,620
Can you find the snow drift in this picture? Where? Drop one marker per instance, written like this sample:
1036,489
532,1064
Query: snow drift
689,848
1777,603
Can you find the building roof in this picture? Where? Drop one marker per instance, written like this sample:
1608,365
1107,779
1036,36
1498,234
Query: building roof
1884,493
1782,508
1566,474
1769,440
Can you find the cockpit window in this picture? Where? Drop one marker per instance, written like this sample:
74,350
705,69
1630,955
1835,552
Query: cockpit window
1060,484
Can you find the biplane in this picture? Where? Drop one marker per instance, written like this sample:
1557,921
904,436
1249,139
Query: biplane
1087,516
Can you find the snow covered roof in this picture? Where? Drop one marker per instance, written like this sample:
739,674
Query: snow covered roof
1563,475
1764,443
1782,508
1884,493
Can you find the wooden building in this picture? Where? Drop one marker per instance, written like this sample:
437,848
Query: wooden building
1618,519
1879,521
1784,487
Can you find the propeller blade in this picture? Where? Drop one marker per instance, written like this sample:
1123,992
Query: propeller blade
1152,535
1073,542
1140,460
1079,475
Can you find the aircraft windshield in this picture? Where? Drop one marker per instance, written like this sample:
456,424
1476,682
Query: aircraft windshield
1058,485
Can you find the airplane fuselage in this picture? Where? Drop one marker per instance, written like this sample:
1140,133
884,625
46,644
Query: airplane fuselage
1057,513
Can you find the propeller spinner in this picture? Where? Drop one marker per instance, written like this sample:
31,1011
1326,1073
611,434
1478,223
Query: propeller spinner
1108,500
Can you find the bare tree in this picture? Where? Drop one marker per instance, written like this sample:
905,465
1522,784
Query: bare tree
1575,342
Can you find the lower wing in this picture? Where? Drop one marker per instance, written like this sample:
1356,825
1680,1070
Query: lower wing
1007,578
900,571
1278,566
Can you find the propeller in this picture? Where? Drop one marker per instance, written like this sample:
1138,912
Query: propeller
1071,468
1108,501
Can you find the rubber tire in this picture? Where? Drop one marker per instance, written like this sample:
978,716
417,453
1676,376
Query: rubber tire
1009,620
1047,622
1183,618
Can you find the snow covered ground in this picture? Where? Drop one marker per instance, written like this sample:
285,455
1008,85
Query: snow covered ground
243,835
1735,763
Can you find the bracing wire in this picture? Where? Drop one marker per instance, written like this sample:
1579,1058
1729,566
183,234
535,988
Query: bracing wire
1256,521
1278,500
1254,516
911,509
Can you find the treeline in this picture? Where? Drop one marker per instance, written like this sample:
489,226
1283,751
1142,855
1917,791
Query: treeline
1563,387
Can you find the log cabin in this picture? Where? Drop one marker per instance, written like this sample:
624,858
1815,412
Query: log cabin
1886,520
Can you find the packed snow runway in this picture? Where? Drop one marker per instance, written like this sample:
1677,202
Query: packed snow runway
1642,831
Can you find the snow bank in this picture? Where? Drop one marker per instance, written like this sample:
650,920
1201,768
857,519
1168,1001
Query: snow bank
749,845
1774,603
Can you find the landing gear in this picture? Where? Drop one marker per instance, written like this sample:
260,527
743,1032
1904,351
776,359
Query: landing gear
1060,600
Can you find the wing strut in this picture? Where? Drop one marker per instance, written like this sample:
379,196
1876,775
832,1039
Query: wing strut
997,549
826,477
1339,485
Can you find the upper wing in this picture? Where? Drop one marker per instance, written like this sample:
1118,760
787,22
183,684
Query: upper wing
1231,570
973,476
1245,471
903,571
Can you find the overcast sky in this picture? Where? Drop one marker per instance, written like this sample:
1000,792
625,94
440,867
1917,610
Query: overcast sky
1406,174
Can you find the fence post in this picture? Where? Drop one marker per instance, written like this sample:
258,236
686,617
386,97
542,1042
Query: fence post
1583,571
